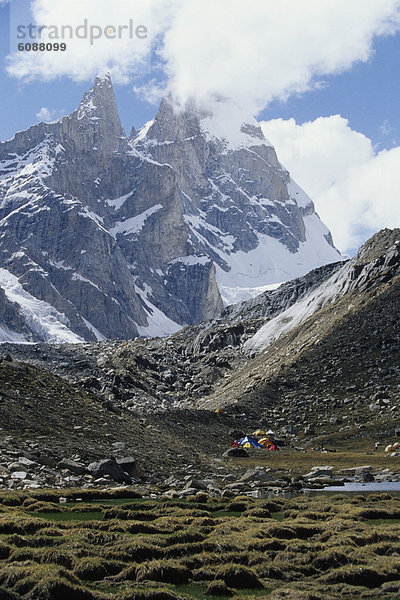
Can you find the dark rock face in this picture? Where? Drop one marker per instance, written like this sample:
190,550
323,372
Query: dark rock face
105,237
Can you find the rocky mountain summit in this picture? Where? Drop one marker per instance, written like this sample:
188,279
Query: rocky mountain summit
315,360
104,236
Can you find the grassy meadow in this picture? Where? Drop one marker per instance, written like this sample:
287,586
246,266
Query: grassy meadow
117,548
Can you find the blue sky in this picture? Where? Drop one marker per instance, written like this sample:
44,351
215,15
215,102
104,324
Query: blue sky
357,77
368,96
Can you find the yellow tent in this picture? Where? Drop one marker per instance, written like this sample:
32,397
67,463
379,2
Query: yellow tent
220,411
247,445
258,432
265,442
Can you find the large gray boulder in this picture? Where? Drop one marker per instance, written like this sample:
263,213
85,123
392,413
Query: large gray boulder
110,467
130,466
236,453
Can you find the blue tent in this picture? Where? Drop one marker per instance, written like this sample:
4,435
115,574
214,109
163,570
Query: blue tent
251,441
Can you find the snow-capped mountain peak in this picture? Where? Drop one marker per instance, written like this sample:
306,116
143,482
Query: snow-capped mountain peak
133,237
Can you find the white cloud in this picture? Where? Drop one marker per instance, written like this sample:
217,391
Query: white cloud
251,51
259,50
111,43
47,115
355,189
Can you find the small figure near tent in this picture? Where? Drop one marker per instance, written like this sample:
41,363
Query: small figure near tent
377,444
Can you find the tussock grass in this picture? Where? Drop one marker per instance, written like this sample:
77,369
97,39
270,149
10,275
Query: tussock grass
218,587
165,571
57,557
58,589
23,554
39,506
21,525
257,513
331,559
152,594
133,551
8,594
186,550
4,551
239,504
303,529
267,544
327,547
238,576
203,574
95,568
185,537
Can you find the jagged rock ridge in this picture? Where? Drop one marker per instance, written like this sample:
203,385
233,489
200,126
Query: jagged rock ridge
104,237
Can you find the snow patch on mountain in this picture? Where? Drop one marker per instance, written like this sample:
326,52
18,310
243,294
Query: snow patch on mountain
298,195
117,203
42,319
333,288
6,335
240,294
159,325
134,224
234,127
191,260
99,336
272,262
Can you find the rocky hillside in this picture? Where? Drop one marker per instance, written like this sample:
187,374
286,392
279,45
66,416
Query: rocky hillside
330,362
316,361
105,237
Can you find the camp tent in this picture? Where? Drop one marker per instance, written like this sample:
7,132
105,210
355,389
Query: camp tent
258,432
265,442
248,440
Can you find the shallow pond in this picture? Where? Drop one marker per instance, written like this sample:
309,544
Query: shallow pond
390,487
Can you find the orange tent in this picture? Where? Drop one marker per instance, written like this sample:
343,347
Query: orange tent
265,442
